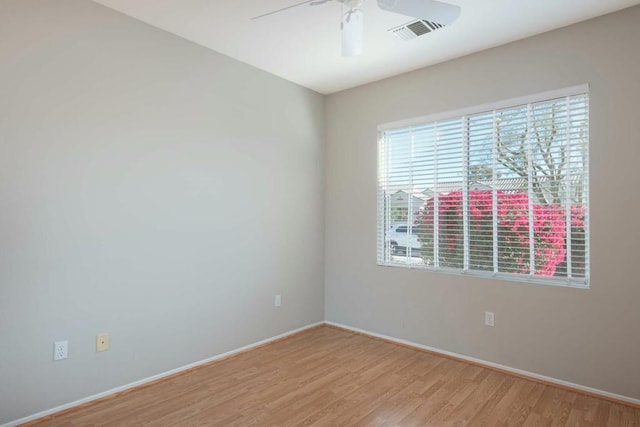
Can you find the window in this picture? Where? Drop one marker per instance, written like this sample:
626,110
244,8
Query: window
499,191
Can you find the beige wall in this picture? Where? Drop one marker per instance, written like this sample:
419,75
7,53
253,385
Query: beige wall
161,192
149,188
589,337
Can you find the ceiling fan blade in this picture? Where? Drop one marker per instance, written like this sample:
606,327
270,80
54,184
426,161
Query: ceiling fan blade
284,8
352,32
432,10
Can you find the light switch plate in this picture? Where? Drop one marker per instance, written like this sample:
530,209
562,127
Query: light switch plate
102,342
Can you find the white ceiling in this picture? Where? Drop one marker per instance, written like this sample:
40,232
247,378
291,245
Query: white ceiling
303,44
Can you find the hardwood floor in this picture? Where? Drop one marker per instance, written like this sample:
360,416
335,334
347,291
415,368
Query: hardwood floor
329,377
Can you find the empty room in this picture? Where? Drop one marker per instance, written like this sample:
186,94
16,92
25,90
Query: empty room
322,212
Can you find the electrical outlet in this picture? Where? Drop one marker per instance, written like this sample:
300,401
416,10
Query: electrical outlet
278,301
60,350
102,342
489,318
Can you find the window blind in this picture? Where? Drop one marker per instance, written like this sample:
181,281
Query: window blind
498,192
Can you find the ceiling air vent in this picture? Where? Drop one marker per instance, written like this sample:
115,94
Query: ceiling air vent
415,29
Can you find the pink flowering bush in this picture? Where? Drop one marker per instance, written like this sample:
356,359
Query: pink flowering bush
549,233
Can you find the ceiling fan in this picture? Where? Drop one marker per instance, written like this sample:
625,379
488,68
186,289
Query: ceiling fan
353,17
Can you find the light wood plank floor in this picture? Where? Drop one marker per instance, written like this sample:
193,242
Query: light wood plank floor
328,377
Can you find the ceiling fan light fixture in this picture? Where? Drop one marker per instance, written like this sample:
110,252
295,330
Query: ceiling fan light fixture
352,32
430,13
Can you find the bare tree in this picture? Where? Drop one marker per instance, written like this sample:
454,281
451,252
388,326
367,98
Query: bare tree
550,162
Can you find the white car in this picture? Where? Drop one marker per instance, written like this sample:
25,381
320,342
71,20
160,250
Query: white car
400,240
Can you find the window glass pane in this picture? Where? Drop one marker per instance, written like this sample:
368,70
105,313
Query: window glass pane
448,186
512,183
481,184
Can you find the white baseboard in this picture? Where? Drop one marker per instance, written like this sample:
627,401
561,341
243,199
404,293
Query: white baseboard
566,384
154,378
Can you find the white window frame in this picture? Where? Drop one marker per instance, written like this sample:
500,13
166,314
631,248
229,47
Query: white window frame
581,283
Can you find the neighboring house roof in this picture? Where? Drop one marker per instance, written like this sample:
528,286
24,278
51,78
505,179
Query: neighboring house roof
448,187
507,185
400,198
